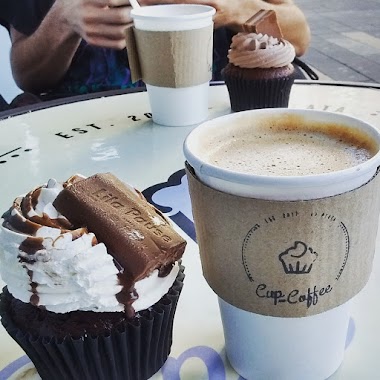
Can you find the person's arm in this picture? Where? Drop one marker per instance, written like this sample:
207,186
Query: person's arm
233,14
40,60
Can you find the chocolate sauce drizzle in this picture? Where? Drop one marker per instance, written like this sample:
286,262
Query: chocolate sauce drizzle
34,298
31,245
158,245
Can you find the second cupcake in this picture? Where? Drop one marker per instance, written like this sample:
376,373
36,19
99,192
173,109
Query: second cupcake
260,73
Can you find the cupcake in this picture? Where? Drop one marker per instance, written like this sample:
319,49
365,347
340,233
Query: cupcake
259,73
93,278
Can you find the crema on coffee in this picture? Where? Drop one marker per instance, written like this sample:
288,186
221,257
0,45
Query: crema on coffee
290,148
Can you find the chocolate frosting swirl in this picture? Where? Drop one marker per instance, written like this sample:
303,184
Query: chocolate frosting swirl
251,50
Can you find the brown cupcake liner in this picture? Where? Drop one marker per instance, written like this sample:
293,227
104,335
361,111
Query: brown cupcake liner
261,93
135,350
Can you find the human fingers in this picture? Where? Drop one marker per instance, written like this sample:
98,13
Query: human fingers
203,2
80,14
103,27
157,2
118,3
108,37
112,16
106,3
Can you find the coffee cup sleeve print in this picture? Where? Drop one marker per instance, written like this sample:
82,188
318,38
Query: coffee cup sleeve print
298,259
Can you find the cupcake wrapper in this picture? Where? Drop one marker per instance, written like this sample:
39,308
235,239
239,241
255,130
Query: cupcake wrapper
260,93
134,351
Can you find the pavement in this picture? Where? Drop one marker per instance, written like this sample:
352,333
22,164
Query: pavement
345,42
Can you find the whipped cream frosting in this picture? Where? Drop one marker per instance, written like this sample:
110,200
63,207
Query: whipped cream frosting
45,263
251,50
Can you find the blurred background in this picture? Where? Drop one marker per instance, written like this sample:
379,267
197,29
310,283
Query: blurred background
345,43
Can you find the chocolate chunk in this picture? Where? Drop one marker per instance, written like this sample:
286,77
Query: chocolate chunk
265,22
136,234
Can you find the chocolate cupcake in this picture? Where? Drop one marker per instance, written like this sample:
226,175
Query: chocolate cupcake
93,278
259,73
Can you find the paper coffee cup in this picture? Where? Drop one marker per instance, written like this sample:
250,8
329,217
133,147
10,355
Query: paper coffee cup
245,224
174,44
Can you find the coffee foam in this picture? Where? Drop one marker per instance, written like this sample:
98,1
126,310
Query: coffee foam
288,146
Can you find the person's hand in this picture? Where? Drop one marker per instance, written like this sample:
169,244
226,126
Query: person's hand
225,9
98,22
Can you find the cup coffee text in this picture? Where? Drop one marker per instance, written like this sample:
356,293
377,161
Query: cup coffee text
310,297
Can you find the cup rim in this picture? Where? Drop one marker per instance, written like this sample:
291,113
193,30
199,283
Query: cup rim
148,12
311,180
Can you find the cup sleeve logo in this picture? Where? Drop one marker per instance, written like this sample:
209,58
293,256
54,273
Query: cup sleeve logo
291,270
298,259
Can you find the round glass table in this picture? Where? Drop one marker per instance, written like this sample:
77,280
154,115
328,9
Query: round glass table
114,132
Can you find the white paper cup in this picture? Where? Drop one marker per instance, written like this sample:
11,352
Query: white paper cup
263,347
179,106
176,106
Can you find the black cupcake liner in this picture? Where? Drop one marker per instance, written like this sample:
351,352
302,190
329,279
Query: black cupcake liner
259,93
135,350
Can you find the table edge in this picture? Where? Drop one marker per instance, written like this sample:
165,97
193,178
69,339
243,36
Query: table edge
78,98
